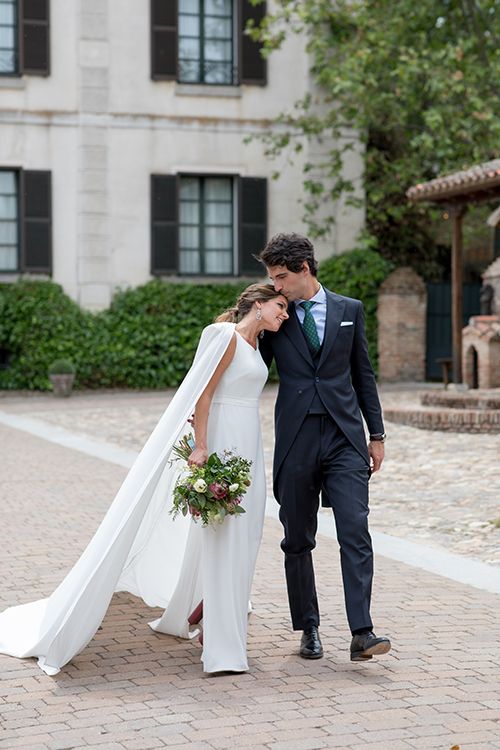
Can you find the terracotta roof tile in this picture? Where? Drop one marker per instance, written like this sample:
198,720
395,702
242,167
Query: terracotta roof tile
468,181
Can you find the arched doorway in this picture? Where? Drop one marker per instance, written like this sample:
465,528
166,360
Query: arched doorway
472,367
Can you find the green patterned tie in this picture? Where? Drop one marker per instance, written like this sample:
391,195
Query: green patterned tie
309,328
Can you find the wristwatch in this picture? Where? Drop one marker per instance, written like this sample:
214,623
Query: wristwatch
380,437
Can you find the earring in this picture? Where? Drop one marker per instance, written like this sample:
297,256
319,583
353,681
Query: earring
258,314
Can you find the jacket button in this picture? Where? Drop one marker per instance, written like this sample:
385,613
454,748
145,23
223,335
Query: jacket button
317,380
299,392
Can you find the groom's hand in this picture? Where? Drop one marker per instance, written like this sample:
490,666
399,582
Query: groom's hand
376,451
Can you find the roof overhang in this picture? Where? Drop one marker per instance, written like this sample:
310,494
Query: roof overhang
475,185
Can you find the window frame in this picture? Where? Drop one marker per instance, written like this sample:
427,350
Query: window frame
31,32
17,72
17,174
249,223
248,66
234,235
234,61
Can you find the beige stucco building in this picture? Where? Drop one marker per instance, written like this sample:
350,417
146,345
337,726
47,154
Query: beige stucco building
122,143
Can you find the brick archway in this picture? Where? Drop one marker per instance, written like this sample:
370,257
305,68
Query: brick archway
472,367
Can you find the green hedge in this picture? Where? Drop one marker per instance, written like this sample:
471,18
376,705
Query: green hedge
148,336
146,339
38,324
358,274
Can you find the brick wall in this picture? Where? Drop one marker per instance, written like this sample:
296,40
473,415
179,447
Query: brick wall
401,313
481,351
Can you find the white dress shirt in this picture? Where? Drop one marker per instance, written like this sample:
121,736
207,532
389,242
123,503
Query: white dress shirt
318,311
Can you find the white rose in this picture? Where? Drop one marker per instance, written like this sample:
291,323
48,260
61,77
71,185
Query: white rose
200,485
234,487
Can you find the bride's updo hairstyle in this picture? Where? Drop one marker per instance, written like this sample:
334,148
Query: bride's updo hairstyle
244,303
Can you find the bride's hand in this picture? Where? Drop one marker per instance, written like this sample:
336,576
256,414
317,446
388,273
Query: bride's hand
198,457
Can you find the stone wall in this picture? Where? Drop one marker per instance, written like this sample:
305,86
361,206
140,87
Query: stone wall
102,126
401,313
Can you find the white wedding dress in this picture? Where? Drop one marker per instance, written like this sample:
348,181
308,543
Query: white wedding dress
139,548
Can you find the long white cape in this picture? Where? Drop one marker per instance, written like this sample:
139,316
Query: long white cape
137,547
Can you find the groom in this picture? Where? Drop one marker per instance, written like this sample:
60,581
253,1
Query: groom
326,384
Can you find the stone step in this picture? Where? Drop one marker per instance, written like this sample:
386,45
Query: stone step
446,420
484,400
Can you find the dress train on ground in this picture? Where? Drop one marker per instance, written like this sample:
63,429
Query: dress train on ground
138,547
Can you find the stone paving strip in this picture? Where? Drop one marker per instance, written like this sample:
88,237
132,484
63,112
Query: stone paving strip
439,489
133,688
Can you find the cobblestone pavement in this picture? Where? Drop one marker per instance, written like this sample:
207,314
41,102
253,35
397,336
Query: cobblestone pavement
132,688
439,488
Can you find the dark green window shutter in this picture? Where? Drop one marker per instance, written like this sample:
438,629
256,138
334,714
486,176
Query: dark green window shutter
253,223
164,39
164,224
36,203
253,67
35,37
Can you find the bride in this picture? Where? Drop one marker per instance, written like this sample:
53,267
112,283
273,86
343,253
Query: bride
139,548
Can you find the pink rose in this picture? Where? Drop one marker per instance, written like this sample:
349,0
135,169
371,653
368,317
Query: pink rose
218,490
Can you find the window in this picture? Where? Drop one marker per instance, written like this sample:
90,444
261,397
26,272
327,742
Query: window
24,37
25,221
9,222
205,225
204,41
8,36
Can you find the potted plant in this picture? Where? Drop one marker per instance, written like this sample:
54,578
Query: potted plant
62,375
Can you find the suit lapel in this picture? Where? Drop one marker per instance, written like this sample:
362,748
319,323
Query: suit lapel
334,314
292,329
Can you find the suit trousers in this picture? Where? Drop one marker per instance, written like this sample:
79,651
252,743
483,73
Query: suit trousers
321,459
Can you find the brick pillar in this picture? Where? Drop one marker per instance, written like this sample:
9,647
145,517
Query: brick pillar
402,309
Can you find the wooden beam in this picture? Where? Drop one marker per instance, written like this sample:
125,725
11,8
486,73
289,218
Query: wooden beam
456,213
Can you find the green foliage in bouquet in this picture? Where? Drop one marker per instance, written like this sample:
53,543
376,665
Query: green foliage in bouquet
213,491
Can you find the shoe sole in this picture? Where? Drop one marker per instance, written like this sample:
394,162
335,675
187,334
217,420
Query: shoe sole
312,656
376,650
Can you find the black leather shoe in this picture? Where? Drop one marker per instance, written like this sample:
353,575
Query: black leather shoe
364,646
310,644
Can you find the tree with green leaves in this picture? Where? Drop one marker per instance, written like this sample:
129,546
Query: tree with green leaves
417,81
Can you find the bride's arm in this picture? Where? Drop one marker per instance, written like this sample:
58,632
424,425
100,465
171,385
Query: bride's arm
199,455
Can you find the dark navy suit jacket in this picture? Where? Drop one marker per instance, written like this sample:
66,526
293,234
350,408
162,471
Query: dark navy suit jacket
342,376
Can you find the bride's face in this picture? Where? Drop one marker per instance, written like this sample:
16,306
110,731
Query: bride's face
274,312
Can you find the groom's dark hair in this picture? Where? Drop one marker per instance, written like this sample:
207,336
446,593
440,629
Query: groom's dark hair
290,250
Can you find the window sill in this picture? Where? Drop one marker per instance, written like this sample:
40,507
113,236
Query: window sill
200,89
14,82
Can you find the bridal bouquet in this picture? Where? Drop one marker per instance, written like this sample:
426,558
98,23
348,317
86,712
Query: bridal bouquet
212,491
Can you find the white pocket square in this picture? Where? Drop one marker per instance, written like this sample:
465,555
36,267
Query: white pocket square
346,323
